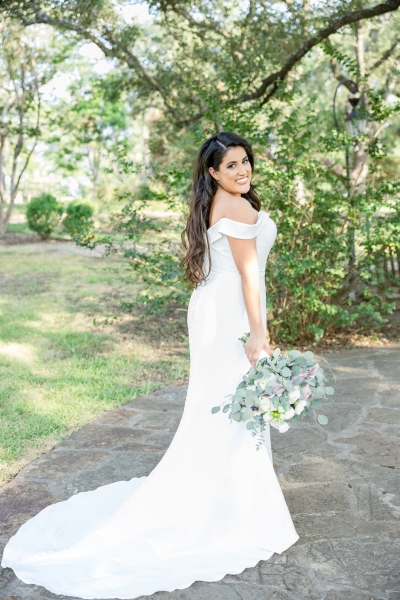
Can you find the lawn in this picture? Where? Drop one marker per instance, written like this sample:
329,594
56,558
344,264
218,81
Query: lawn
64,357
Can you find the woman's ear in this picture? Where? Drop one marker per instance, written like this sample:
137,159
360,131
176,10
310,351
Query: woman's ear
213,173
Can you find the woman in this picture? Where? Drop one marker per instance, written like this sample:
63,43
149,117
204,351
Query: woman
213,505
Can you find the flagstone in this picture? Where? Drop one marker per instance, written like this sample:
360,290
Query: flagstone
19,501
57,464
341,483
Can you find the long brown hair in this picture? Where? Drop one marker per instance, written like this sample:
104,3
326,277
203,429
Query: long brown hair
194,236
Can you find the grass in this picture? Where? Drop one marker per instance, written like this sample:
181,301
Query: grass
59,371
19,228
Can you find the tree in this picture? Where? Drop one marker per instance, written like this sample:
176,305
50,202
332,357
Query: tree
206,67
203,57
90,127
26,64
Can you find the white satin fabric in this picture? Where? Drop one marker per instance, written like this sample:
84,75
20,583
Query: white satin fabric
212,506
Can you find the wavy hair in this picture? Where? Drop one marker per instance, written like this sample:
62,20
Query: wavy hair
194,236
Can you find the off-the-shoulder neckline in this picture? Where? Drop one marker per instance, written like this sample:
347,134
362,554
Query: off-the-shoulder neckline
239,222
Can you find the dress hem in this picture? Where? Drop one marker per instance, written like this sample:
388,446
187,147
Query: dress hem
183,586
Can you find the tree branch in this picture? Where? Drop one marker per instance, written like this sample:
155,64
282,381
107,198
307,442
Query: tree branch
111,52
336,24
261,93
385,56
207,25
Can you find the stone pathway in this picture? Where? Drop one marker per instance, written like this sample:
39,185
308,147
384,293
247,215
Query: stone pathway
341,483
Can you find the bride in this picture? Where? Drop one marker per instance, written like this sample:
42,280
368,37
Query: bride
213,505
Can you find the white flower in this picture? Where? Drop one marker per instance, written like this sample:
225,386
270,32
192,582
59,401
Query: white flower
251,387
283,427
294,395
289,413
267,417
281,409
300,406
265,404
263,382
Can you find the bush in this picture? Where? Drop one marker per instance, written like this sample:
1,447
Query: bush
313,288
78,220
43,214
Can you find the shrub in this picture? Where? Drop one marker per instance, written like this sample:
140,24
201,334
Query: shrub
43,214
313,287
78,220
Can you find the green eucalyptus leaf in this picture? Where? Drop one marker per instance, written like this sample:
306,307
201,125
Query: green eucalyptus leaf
235,407
301,361
322,419
286,372
247,413
215,409
250,398
250,425
329,391
226,408
316,403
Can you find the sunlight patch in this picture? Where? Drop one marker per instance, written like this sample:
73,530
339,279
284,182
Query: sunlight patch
20,351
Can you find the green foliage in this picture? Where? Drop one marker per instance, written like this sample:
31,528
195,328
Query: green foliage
311,287
349,63
43,214
174,81
78,219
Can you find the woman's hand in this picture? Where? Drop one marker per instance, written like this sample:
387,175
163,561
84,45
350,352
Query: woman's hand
254,345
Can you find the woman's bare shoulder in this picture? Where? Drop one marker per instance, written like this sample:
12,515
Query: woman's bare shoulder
235,208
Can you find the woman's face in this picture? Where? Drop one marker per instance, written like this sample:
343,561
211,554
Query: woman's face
234,173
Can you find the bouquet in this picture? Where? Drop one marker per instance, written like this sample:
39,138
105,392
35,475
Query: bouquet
281,388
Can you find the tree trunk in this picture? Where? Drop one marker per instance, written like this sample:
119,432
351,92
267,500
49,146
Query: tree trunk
358,170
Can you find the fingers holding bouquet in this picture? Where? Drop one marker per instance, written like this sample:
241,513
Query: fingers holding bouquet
254,344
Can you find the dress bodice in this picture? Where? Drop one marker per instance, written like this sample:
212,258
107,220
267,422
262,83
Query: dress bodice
221,255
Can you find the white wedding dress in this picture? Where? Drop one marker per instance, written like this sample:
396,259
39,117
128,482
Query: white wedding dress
212,506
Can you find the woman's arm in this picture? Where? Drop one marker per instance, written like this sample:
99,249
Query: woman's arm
245,256
244,253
